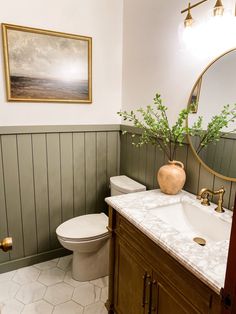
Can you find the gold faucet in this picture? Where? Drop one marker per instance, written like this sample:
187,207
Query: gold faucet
6,244
204,194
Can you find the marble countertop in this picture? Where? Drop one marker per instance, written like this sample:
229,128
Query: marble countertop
208,262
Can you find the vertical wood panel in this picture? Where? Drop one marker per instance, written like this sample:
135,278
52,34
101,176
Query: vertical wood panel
192,173
118,152
211,157
26,174
150,168
218,154
232,167
41,191
12,190
79,174
123,154
159,161
181,154
112,152
54,186
90,170
142,164
3,214
102,190
206,179
67,176
226,154
129,159
134,154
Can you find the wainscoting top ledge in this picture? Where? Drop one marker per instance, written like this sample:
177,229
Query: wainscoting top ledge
58,128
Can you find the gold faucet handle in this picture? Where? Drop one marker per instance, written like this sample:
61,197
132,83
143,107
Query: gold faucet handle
205,201
6,244
204,197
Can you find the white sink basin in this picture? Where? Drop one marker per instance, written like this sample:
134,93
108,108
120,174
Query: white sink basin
194,220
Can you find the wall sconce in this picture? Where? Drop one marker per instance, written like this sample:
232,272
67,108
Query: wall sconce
217,10
188,20
210,36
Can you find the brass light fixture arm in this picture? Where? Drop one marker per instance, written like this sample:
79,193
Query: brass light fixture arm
193,6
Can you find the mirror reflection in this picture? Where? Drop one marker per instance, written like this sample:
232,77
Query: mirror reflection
213,108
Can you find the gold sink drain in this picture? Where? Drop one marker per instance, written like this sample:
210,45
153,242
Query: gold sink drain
200,241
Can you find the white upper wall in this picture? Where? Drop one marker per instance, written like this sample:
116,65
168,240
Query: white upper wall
155,58
102,20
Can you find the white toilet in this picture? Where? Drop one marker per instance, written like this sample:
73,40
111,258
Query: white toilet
87,236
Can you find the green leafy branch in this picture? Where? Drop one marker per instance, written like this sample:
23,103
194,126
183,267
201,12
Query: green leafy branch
213,132
156,129
153,122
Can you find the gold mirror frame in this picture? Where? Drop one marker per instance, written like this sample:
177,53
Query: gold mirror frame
188,136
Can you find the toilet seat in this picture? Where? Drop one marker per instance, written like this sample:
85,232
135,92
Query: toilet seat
84,228
84,240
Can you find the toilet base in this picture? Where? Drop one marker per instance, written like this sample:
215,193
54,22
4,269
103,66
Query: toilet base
90,266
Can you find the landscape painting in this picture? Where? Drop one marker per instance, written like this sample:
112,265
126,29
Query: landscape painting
47,66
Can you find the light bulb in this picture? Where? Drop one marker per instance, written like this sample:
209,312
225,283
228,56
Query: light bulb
188,20
218,8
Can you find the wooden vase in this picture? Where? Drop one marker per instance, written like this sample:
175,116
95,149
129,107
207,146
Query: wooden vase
171,177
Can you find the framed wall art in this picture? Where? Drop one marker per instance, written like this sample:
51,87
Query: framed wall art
47,66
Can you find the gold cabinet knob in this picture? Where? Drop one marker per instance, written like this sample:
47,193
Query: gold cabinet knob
6,244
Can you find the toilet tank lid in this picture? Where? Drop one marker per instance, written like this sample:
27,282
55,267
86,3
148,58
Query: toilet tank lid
83,227
125,184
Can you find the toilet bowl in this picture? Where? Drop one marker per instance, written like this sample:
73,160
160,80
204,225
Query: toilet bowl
87,236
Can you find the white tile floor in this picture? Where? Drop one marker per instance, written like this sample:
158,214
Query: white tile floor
48,288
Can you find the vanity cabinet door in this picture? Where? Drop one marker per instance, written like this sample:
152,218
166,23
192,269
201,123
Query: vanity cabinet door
132,281
166,299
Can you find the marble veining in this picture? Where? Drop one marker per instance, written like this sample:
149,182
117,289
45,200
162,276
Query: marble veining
208,263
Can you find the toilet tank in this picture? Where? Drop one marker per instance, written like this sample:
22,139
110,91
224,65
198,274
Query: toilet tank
124,185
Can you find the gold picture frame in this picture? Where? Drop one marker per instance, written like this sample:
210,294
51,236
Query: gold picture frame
46,66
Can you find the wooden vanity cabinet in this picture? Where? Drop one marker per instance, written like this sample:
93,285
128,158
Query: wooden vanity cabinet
144,279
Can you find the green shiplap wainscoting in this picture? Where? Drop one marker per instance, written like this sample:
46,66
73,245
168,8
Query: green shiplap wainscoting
142,164
49,174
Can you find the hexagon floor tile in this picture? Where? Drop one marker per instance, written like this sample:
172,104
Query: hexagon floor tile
38,307
48,287
51,276
87,294
59,293
68,307
31,292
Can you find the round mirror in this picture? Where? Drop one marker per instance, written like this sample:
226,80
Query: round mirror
212,119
